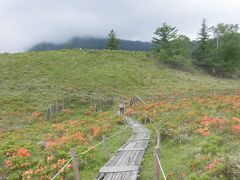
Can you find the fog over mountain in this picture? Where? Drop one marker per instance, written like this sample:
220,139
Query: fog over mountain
28,22
92,43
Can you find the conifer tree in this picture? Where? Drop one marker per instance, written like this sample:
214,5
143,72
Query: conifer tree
112,42
203,48
164,35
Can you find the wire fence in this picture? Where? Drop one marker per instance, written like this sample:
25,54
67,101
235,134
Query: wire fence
160,165
157,162
183,94
99,103
88,150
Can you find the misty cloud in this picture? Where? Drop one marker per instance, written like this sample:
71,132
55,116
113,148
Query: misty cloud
27,22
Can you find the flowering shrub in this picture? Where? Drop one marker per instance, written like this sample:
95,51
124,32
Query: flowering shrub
95,131
36,114
207,125
213,164
236,130
40,151
23,152
68,111
204,131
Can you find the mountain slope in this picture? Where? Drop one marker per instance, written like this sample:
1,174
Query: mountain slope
92,43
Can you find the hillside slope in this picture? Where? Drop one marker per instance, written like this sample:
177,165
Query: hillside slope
30,81
34,147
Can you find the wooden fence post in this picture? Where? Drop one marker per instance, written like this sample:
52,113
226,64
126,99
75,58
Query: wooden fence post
63,104
112,101
121,137
48,114
75,164
235,88
51,110
100,105
105,148
57,108
158,140
96,110
156,168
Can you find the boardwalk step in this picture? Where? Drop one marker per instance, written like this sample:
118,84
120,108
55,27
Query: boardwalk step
139,139
132,149
115,169
125,163
141,131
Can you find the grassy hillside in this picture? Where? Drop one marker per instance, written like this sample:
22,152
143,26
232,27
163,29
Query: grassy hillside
31,81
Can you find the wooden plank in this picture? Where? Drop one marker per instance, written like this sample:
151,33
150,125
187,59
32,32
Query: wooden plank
125,163
140,139
141,131
115,169
132,149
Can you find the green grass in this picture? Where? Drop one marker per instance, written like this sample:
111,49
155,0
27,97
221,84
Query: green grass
33,80
30,81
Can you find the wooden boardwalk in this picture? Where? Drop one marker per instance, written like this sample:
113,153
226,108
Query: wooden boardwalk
125,164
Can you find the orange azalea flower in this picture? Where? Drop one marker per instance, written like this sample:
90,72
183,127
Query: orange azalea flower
8,163
204,131
87,113
8,154
61,161
212,165
209,121
236,130
58,126
79,136
39,169
68,111
53,166
36,114
58,142
50,158
236,119
23,152
95,131
72,123
28,172
105,126
25,164
69,166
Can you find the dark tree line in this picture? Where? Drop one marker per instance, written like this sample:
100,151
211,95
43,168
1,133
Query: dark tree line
216,50
93,43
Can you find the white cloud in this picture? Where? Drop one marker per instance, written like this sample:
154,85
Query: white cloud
27,22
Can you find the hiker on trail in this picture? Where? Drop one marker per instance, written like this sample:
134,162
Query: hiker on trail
122,107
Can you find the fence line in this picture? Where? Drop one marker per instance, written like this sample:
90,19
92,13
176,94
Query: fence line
140,99
84,152
184,94
157,164
94,147
160,167
118,132
98,102
62,168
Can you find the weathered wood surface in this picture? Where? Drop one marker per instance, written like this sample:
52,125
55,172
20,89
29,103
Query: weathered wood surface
125,163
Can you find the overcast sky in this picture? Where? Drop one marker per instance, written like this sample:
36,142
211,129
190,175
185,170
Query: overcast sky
27,22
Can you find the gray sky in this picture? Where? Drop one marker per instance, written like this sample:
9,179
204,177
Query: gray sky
27,22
